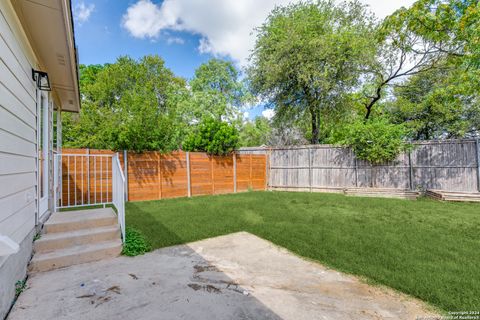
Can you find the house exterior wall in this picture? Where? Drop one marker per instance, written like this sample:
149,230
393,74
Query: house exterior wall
18,151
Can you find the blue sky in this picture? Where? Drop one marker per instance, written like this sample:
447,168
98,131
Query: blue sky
185,33
101,38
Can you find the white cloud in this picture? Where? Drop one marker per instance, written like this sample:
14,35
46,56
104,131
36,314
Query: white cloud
225,26
83,11
268,113
175,40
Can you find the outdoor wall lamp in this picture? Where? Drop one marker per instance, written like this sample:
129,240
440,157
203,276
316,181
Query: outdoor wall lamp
41,78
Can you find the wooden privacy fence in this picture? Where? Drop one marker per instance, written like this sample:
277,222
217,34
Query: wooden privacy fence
153,176
443,165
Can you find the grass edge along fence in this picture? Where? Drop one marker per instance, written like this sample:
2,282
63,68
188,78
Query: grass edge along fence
451,165
153,176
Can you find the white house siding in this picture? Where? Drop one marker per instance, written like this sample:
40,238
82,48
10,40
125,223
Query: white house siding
17,150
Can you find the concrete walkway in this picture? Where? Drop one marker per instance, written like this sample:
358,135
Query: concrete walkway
238,276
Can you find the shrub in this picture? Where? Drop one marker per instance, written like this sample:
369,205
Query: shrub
135,243
212,136
376,140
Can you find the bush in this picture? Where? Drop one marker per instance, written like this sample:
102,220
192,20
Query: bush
135,243
376,140
213,137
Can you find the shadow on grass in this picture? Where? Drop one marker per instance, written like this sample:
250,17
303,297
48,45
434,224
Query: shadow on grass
156,233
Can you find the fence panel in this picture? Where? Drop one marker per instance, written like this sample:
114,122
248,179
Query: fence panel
173,173
222,174
332,167
201,174
152,176
445,165
143,176
393,174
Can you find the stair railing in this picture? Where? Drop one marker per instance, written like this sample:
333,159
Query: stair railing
118,192
82,180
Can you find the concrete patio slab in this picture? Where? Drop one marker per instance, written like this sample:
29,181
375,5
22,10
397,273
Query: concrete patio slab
238,276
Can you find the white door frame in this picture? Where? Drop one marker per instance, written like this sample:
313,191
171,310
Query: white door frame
43,138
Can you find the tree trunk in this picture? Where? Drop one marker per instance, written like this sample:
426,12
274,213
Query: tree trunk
378,96
315,126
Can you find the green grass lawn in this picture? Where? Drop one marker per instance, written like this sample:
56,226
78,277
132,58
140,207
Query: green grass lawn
428,249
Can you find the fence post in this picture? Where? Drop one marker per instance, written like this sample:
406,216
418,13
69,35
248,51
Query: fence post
189,181
213,178
267,170
410,169
310,168
234,172
250,183
355,169
88,174
125,169
270,176
160,175
478,164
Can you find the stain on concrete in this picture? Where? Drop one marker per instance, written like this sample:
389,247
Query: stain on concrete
207,288
238,276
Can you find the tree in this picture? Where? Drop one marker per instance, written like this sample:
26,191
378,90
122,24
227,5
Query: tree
287,136
416,40
255,133
212,136
308,57
218,92
453,25
440,103
376,140
135,105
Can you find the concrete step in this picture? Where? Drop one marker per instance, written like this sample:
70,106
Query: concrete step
75,255
81,219
61,240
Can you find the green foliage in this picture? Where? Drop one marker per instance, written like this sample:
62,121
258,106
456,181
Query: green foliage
255,133
20,286
454,25
320,64
375,140
440,103
308,57
135,105
217,91
212,136
135,243
419,39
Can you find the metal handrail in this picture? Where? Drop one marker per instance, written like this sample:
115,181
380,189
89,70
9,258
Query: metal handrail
118,192
104,176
